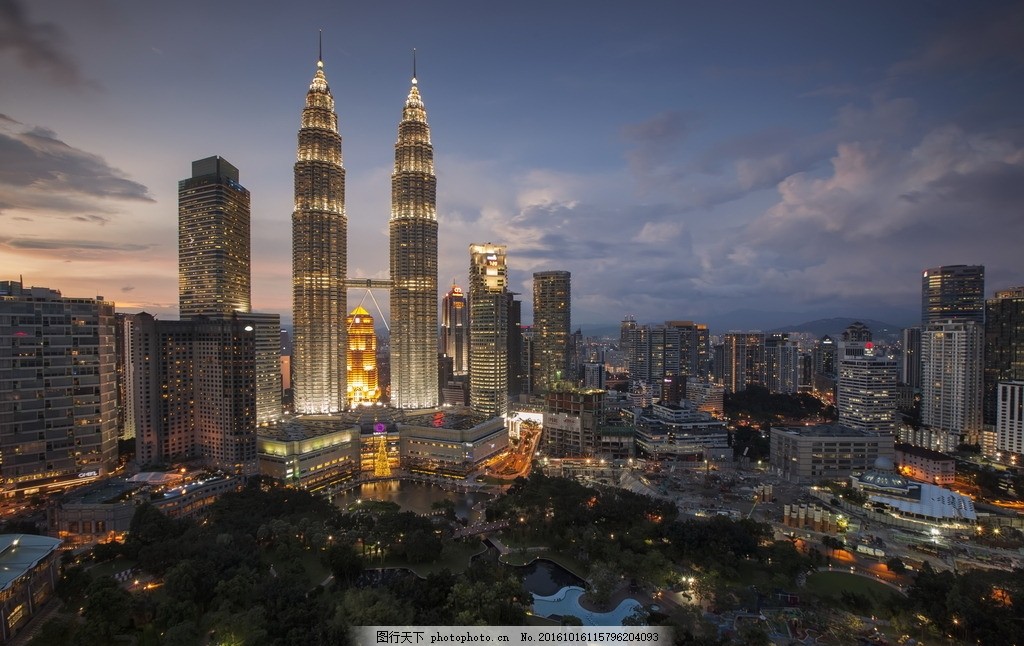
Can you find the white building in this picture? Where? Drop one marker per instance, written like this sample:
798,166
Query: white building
1010,418
951,383
866,391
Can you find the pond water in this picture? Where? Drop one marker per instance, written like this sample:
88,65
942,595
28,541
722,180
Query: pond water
544,578
414,496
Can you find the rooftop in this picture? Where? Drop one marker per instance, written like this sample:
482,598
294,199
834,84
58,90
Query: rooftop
366,420
304,427
932,501
823,430
103,492
922,452
19,553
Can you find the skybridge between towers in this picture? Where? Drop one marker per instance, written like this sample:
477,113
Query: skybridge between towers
369,284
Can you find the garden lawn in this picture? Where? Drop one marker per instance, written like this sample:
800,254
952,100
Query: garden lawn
831,585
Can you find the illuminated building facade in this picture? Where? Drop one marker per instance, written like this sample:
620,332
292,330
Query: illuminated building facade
813,453
58,406
1010,421
455,330
781,364
267,333
866,389
953,292
362,358
194,390
743,360
552,296
951,360
571,419
694,347
488,329
413,231
213,241
319,257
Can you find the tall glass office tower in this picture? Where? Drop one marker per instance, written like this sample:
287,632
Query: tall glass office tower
213,241
488,329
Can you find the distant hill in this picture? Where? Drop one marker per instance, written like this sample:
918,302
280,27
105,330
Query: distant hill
835,326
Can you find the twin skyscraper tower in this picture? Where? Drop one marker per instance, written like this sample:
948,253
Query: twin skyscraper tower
320,260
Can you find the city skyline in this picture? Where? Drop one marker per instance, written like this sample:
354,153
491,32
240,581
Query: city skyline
677,162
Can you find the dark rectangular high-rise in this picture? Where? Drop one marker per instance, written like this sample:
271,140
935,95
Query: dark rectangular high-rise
455,330
213,241
1004,345
953,293
193,390
552,304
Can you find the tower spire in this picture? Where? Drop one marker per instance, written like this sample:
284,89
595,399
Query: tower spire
320,50
414,66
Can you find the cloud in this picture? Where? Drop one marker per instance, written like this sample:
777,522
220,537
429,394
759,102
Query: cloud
41,173
883,211
655,143
978,37
128,288
38,45
53,244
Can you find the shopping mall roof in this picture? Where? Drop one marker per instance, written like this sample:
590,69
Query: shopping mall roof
19,553
934,502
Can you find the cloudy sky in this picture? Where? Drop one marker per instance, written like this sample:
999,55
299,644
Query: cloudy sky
745,164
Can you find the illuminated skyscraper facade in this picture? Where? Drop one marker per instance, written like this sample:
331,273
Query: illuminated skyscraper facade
319,257
213,241
413,230
455,330
214,269
362,358
552,297
488,329
953,293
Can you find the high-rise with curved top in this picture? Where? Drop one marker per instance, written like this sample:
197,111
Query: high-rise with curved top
413,230
319,257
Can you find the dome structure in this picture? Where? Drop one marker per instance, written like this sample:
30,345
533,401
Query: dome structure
883,463
884,476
